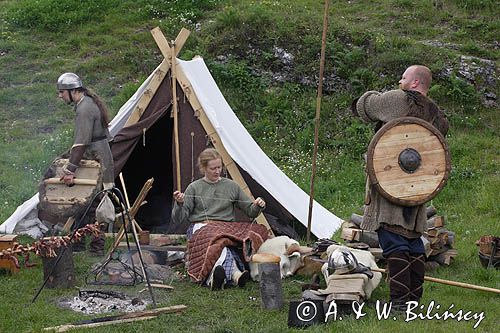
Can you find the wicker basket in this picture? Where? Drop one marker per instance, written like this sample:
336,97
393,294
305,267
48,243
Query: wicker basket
488,246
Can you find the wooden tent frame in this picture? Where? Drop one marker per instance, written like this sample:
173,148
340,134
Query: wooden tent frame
170,52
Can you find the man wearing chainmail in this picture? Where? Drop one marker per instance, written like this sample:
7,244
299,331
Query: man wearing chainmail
399,228
91,141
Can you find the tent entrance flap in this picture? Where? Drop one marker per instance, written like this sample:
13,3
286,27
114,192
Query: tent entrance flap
152,158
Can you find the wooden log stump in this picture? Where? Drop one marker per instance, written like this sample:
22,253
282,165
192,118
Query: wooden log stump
63,275
270,286
356,219
430,211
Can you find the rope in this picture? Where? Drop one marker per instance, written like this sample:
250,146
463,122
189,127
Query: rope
215,198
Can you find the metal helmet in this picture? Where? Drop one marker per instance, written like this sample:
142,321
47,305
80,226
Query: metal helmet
342,261
69,81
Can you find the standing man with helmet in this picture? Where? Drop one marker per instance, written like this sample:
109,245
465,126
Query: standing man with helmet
91,140
399,227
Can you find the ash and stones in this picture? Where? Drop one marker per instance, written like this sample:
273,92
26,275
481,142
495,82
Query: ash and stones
119,270
96,302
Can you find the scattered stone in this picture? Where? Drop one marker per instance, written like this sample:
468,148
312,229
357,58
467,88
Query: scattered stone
285,57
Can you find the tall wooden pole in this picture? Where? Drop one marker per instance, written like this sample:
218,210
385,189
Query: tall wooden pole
317,120
176,118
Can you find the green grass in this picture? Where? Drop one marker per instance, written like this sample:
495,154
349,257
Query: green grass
369,44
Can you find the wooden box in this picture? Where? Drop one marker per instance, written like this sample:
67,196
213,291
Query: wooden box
7,241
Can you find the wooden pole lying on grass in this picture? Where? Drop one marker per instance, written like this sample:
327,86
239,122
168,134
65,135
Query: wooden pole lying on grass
316,124
119,319
450,283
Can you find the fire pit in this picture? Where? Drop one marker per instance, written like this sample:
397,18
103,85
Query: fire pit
103,301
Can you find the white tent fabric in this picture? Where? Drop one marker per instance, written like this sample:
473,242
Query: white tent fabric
249,156
240,146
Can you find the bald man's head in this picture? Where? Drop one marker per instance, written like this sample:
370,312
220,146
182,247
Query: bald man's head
416,77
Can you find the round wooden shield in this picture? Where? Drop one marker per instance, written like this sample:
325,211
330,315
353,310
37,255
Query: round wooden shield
408,161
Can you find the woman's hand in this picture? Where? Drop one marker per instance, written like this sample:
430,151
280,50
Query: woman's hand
179,197
260,202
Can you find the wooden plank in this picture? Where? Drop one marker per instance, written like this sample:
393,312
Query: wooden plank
376,252
162,42
161,286
180,40
64,201
67,327
165,248
149,92
435,222
6,239
350,234
414,189
339,297
67,226
83,163
77,181
346,285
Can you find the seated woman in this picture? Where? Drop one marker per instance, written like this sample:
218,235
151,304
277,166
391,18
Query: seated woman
214,236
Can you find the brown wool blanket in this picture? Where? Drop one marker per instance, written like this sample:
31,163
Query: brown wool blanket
207,243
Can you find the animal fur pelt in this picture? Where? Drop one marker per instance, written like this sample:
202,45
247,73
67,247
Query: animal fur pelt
289,251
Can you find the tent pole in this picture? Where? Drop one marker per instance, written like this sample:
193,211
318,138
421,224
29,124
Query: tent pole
317,120
176,118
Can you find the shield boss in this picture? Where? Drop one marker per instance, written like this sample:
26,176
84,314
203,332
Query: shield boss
408,161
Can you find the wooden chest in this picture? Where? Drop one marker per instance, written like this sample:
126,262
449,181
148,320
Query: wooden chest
7,241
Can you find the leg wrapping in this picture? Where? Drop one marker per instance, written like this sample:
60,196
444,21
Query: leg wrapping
417,268
399,276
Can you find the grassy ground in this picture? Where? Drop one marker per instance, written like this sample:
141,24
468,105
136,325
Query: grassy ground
243,42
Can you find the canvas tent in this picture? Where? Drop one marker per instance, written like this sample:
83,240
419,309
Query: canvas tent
146,144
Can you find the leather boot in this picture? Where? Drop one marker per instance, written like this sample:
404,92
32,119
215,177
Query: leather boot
218,278
398,265
417,272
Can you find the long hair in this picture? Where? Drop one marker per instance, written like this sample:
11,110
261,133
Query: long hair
100,104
